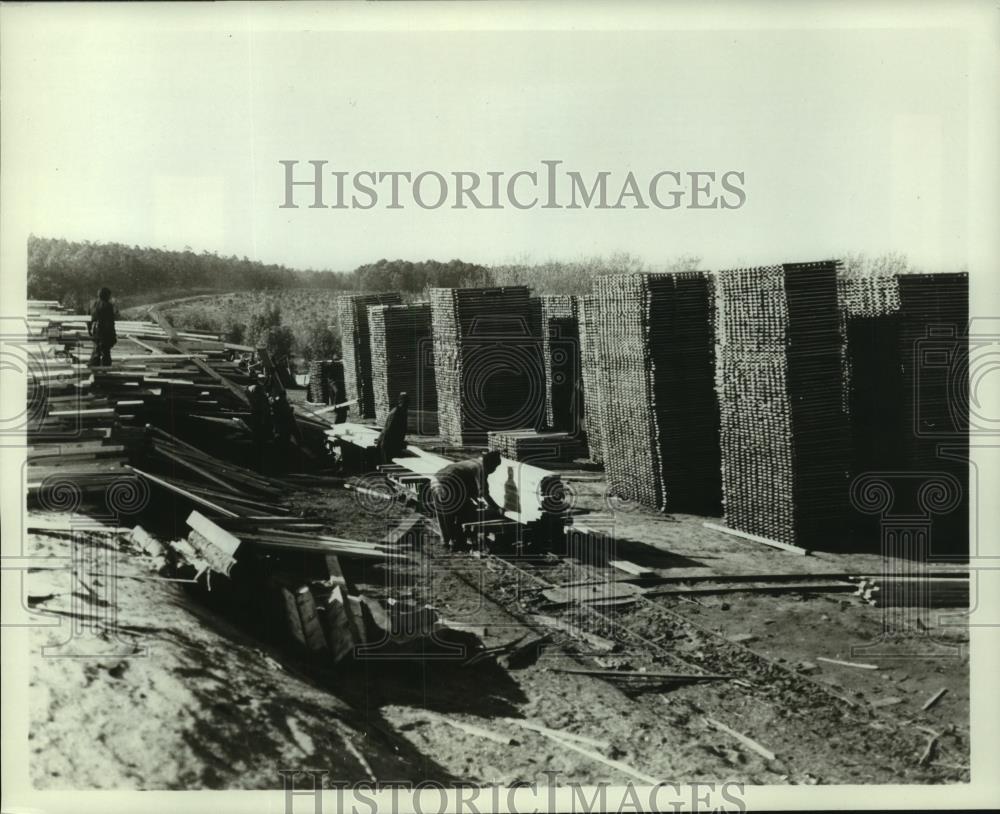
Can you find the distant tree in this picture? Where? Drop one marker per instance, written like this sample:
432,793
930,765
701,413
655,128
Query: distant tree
318,341
262,320
279,341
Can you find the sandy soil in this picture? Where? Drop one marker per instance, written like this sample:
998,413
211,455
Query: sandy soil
212,706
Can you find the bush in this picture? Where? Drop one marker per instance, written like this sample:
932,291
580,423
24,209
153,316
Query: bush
279,341
317,340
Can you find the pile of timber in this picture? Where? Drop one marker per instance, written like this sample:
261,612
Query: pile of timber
906,392
934,349
403,362
656,380
488,361
784,431
352,314
932,590
537,447
561,355
590,370
326,381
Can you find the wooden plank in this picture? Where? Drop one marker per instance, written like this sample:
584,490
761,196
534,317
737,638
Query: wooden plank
650,674
630,567
292,615
184,493
543,730
782,587
792,549
933,699
177,459
338,629
311,627
218,536
750,743
472,729
848,663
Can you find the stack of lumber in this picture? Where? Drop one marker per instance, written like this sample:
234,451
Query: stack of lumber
537,447
352,313
930,590
590,372
488,362
561,355
660,418
326,381
403,362
872,382
784,431
934,348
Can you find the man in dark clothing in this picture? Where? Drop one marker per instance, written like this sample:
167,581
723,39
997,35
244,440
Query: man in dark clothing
260,421
102,329
458,486
392,441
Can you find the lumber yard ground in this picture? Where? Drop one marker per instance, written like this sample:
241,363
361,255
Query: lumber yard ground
213,705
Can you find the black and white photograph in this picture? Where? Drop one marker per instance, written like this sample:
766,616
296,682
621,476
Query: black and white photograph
499,407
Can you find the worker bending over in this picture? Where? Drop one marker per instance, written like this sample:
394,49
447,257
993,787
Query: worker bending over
392,440
456,494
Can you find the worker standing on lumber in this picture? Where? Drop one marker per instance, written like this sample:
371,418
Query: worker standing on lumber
392,440
102,329
459,487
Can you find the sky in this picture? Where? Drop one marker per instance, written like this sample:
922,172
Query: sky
167,129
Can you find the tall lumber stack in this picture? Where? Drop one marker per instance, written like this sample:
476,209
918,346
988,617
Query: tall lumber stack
488,362
934,348
403,360
326,381
352,313
587,309
561,353
784,430
906,392
656,380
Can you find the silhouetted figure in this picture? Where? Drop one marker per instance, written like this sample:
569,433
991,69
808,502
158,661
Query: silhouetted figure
286,428
458,486
392,440
102,329
260,421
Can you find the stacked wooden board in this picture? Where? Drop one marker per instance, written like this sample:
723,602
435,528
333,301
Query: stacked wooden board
537,447
561,354
326,381
784,430
352,313
403,362
934,350
488,362
590,370
656,380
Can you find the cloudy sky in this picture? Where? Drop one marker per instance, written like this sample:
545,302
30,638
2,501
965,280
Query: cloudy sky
165,127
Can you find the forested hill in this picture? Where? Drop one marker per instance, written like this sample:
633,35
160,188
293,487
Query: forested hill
73,272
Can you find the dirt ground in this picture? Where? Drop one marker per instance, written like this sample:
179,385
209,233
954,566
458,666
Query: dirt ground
209,705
